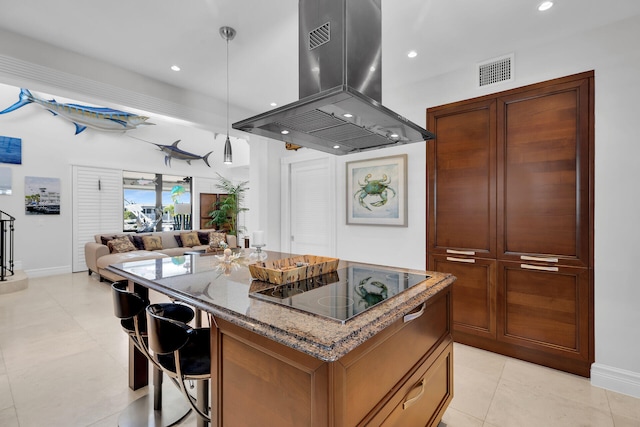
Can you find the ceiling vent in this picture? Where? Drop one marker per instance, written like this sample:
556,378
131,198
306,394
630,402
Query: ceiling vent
496,70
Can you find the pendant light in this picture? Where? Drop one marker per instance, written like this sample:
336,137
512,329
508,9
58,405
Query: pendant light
227,33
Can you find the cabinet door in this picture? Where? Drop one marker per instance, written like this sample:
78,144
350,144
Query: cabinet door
545,308
461,164
543,173
207,204
474,294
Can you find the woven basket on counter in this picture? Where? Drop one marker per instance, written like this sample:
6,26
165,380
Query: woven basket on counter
294,269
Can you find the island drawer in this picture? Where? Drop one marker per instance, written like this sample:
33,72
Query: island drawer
428,391
401,348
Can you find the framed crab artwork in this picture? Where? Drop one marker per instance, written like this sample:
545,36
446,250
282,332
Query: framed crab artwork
377,191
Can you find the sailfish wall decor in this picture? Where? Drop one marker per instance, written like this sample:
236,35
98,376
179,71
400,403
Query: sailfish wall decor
82,116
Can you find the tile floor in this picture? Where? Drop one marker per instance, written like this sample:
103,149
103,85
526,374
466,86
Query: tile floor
63,362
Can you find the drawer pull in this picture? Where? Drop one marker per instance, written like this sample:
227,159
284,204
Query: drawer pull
413,400
467,260
455,252
411,316
538,258
538,267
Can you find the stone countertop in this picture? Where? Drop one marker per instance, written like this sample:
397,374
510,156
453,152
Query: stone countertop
223,291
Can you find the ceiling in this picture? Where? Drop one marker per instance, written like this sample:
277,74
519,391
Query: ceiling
148,36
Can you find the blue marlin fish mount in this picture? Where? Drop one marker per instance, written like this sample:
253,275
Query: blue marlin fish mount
83,116
173,152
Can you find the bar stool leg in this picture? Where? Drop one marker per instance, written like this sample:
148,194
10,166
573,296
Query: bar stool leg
202,396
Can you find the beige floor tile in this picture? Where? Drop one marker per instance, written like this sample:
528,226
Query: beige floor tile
557,383
624,406
6,399
518,404
77,390
488,363
454,418
8,418
472,391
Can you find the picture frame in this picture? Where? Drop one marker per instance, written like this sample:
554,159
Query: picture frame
376,191
41,195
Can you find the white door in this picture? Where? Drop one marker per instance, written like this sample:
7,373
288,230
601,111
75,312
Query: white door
97,207
312,207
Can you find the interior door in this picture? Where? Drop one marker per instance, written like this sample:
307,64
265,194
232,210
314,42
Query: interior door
312,207
97,207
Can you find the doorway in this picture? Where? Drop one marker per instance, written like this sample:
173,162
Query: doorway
309,207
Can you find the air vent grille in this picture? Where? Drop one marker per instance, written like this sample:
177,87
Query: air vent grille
319,36
495,70
310,121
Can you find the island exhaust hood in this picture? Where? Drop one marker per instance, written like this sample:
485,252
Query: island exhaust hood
340,68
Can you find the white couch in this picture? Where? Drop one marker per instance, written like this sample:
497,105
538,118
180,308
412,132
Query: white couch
98,257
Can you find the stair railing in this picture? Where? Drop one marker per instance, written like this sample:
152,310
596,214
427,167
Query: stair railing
6,245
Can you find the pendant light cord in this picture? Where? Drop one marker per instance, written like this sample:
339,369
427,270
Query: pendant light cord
227,87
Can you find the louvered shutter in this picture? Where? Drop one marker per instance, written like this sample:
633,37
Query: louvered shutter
97,207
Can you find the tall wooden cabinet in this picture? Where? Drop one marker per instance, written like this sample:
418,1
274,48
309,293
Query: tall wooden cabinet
510,194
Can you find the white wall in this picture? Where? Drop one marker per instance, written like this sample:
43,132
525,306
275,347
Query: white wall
49,148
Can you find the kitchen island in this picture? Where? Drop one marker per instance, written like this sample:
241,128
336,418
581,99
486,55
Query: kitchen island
274,365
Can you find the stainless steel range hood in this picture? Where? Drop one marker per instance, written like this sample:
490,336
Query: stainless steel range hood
340,68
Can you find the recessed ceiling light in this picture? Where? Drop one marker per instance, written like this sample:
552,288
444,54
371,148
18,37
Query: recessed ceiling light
394,135
412,54
336,146
545,5
175,68
273,104
348,115
284,132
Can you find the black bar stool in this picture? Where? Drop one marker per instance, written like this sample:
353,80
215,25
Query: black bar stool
183,353
129,308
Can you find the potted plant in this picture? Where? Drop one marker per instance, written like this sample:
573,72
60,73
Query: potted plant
224,213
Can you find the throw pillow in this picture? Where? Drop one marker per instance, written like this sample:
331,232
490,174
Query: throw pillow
120,244
105,239
204,237
178,239
137,241
190,239
216,237
152,243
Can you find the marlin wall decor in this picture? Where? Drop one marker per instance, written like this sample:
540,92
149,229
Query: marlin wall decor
173,152
83,116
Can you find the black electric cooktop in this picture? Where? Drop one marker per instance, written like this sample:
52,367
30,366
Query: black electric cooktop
343,294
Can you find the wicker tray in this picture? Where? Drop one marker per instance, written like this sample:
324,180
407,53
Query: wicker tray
294,269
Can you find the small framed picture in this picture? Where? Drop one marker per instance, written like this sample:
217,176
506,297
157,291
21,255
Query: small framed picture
377,191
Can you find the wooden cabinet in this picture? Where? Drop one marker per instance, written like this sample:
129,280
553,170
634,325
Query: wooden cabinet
546,309
510,194
402,376
462,180
474,302
544,172
207,204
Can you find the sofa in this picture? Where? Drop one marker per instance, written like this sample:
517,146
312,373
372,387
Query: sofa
116,248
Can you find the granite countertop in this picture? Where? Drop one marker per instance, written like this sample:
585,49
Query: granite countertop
223,291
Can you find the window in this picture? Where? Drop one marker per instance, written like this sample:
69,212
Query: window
150,201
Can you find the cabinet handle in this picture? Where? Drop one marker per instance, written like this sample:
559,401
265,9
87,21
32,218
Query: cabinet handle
538,258
467,260
413,400
538,267
411,316
455,252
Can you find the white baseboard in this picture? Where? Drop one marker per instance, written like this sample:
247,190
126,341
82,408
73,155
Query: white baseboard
615,379
54,271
